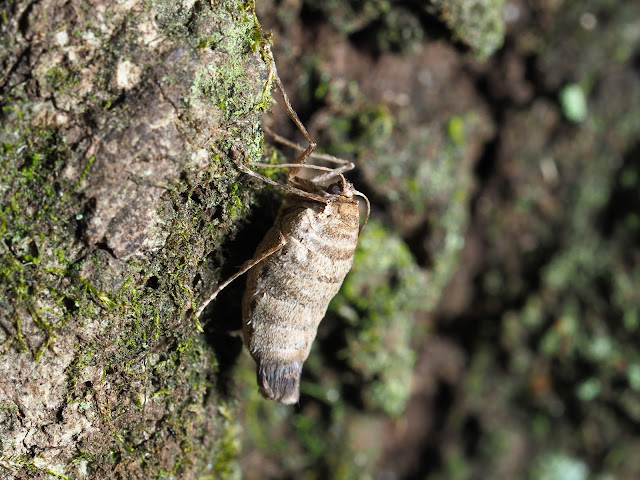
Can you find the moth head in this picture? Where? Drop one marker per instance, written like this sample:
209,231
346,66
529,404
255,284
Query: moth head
342,188
280,381
346,190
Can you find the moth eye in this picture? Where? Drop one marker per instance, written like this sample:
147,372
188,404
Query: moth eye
334,188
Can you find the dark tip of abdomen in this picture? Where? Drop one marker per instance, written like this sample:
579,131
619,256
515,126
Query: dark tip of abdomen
280,382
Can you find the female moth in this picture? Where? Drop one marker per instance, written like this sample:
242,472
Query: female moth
298,267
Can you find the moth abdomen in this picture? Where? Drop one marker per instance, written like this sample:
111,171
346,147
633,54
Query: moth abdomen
280,382
288,294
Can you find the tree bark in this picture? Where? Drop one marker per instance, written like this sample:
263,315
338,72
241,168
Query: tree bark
116,122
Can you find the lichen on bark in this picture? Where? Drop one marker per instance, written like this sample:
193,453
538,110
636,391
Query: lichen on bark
116,123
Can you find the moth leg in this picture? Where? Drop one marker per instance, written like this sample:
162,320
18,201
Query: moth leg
282,186
333,173
320,156
329,170
302,158
246,266
309,151
345,165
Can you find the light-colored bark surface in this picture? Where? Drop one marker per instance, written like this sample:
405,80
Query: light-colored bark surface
116,122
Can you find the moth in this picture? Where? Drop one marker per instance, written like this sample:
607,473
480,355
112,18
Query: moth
299,266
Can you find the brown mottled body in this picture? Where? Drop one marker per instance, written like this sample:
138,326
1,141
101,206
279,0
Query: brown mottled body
287,294
299,266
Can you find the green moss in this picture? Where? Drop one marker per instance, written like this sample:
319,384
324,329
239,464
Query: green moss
476,23
556,465
400,30
228,447
349,17
226,80
29,267
455,129
574,103
379,299
225,87
60,78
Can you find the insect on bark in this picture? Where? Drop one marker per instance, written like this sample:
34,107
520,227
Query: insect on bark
299,266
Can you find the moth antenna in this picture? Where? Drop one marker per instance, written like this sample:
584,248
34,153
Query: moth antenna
330,172
364,197
293,165
343,180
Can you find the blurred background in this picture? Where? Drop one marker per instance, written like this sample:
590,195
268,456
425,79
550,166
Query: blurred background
490,325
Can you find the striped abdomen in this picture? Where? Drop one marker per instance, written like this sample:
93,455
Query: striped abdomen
287,294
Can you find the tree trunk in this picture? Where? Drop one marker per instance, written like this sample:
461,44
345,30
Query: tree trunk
116,122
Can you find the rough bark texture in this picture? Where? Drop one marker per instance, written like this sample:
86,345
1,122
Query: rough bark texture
116,120
519,174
